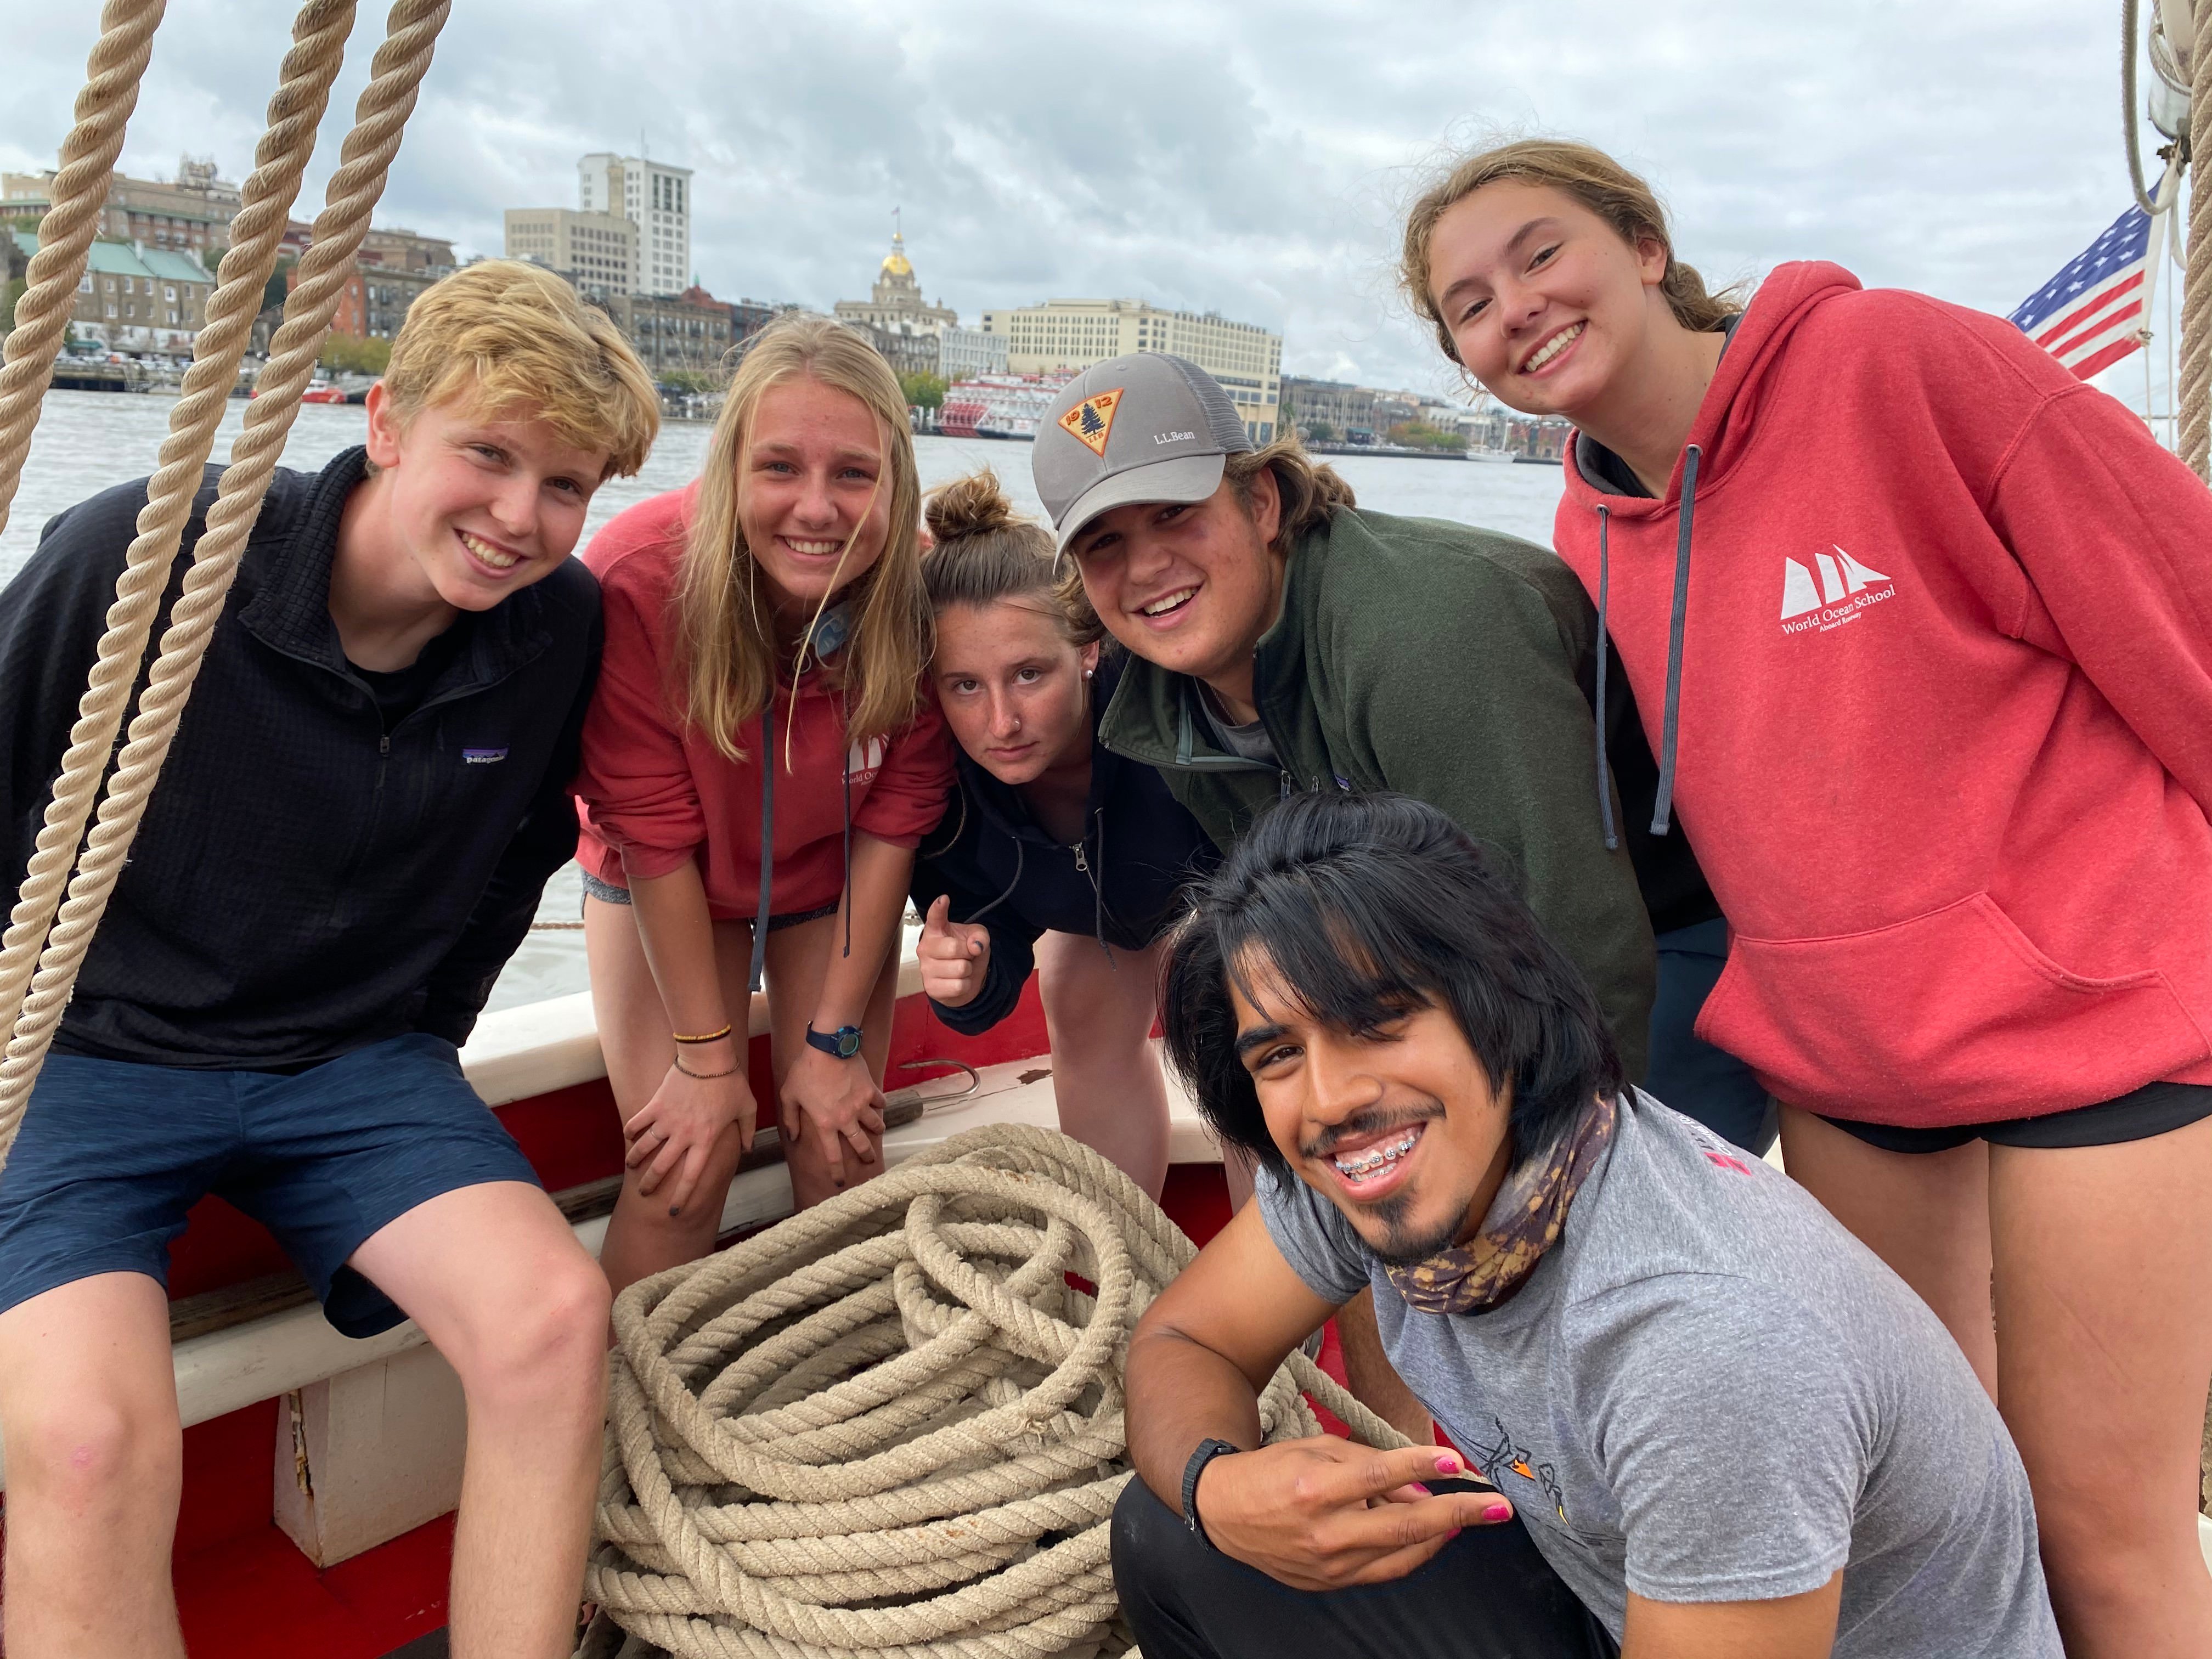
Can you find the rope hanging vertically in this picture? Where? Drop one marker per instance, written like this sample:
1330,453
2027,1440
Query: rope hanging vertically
380,118
889,1426
2196,369
318,35
116,64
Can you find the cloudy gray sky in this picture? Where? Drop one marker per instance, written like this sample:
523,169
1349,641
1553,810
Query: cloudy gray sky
1249,159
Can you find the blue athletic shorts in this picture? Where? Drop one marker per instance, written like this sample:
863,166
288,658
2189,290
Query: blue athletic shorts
112,1155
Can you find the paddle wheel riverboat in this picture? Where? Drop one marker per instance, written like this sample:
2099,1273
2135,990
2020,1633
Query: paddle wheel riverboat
999,406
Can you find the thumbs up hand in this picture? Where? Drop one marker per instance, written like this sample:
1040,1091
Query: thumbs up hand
954,956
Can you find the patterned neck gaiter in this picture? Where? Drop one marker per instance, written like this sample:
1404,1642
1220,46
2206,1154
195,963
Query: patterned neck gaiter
1525,1220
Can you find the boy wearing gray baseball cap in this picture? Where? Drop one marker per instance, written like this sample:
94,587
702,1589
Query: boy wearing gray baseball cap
1287,639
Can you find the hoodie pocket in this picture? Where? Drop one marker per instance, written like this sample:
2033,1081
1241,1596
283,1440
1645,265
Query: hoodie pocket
1953,1016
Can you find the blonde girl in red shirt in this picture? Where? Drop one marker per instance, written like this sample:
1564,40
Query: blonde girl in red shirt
758,765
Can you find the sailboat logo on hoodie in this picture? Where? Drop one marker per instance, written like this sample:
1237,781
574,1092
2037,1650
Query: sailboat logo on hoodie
1829,593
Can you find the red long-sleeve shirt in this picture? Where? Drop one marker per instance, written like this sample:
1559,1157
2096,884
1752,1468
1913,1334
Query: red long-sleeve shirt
653,794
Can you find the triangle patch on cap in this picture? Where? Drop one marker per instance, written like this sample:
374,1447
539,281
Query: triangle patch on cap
1092,420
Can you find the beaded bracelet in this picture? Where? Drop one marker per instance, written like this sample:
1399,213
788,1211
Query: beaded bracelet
711,1036
703,1076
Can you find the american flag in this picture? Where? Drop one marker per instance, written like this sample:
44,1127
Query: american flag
2087,315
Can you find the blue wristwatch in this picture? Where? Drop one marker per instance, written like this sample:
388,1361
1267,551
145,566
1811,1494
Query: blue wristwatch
844,1041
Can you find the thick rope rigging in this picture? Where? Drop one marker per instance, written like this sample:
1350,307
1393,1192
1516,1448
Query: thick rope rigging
118,62
380,118
2195,367
2183,72
889,1426
318,35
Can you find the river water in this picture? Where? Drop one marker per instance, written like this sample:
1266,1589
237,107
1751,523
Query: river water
88,441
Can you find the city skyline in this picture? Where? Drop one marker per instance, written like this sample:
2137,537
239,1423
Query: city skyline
1045,157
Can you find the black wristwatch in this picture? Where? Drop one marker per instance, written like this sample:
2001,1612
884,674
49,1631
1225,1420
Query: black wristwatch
1206,1452
844,1041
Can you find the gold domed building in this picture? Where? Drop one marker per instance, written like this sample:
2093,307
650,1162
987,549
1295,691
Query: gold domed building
895,303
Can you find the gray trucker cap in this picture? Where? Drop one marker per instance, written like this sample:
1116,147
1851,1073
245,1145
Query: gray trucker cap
1143,427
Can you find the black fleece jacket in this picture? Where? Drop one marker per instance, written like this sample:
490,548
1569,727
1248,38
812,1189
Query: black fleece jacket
304,883
1123,883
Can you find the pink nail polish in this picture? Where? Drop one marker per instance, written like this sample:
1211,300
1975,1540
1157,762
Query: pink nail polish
1453,1533
1448,1465
1498,1512
1421,1489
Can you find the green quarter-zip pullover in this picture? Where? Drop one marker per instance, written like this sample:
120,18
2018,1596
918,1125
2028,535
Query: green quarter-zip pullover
1445,663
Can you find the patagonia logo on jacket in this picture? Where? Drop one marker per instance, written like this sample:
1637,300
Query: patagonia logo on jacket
482,756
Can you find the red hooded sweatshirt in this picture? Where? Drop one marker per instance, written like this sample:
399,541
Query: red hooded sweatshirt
652,794
1944,733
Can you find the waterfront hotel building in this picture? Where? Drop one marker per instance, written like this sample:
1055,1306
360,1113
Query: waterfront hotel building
1073,334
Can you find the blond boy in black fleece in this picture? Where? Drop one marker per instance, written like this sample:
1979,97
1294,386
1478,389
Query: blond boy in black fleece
352,830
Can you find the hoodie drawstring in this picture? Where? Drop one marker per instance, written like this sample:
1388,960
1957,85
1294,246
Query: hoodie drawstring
1604,772
845,783
768,839
1097,893
1011,885
1662,803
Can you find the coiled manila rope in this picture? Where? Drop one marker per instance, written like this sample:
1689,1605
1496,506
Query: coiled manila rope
119,61
379,119
2195,367
302,93
889,1426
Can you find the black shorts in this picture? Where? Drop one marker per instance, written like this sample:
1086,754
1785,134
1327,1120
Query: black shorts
2150,1110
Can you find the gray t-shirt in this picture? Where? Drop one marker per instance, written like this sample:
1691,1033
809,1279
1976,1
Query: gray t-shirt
1709,1391
1247,742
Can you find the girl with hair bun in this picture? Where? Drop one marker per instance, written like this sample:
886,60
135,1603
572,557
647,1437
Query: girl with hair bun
1930,622
1054,852
759,763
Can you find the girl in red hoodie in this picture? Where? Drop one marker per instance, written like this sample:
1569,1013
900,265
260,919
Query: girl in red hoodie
1930,624
758,766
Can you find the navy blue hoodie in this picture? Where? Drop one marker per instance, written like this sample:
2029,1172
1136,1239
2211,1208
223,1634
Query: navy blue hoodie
1122,884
